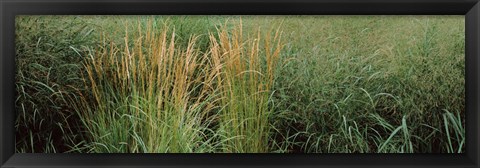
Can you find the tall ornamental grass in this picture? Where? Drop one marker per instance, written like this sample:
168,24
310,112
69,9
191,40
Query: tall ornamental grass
151,96
246,68
144,98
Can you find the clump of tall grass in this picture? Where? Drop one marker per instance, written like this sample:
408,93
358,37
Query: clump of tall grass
246,69
153,96
143,94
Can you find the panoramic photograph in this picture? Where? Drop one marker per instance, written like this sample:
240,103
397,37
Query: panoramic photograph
239,84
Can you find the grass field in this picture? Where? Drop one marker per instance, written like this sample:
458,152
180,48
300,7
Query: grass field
240,84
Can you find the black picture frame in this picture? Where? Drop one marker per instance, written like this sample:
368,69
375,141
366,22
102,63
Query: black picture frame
9,9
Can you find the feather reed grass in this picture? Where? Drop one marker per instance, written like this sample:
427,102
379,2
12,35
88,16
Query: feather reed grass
152,96
245,82
143,95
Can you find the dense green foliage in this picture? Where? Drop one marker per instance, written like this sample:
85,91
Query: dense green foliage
310,84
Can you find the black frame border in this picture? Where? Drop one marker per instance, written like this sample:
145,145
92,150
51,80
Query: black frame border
9,9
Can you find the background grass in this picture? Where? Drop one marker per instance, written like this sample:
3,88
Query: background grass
352,82
386,84
48,57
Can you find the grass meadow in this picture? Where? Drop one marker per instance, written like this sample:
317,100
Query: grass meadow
240,84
